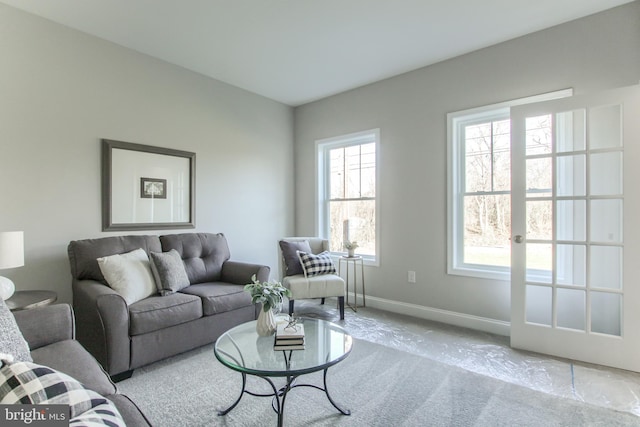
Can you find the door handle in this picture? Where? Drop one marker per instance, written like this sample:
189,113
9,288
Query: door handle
518,239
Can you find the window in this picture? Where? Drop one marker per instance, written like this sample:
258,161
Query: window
347,189
479,189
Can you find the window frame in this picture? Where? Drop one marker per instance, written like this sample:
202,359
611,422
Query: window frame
323,147
456,179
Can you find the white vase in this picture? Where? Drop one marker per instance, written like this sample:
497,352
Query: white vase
266,324
7,288
351,252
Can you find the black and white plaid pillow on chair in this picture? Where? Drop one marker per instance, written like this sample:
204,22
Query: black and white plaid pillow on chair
315,265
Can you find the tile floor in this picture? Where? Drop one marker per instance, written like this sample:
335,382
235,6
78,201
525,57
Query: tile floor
487,354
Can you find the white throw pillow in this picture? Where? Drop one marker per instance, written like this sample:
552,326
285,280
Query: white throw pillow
129,275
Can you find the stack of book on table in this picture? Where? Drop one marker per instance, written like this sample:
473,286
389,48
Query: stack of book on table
289,337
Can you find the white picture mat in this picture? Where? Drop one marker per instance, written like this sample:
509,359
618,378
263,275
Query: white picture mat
127,207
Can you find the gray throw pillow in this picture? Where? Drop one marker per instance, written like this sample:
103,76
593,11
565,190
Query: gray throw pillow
168,271
290,254
12,343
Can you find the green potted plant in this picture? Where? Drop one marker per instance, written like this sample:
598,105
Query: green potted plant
270,294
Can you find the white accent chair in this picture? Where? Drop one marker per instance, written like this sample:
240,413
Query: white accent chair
321,286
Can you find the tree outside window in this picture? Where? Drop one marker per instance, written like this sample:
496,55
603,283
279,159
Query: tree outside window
352,207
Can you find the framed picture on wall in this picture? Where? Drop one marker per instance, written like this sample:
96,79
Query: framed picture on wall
146,187
153,188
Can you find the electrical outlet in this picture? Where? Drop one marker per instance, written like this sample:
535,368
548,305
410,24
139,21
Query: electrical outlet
411,276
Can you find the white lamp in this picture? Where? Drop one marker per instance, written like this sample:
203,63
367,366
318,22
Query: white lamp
11,256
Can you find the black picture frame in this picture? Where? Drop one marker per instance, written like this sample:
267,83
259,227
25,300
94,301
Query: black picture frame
153,188
126,206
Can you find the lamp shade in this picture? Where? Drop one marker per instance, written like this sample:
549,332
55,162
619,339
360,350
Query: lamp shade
11,249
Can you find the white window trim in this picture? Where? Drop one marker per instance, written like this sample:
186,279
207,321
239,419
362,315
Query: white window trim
455,166
322,207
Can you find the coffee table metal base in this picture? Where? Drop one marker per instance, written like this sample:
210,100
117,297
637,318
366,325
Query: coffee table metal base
242,350
280,395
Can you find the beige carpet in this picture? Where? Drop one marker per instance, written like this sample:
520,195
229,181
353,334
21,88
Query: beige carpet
380,385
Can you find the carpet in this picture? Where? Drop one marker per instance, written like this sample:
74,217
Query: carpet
380,385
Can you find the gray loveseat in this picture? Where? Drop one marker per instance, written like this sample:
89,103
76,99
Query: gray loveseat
49,333
124,337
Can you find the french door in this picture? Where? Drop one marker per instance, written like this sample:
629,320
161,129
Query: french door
575,288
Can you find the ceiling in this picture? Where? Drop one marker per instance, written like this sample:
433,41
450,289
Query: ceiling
298,51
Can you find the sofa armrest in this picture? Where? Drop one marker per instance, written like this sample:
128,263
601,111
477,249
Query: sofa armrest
102,327
42,326
240,273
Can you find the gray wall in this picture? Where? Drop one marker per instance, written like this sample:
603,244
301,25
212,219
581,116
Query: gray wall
61,91
597,52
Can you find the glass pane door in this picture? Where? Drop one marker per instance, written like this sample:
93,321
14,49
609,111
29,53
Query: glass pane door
570,293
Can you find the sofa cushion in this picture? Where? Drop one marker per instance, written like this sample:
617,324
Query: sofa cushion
29,383
202,253
129,275
315,265
70,357
219,297
84,253
158,312
12,344
168,271
290,254
325,285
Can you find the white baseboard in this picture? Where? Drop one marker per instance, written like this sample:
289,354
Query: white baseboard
484,324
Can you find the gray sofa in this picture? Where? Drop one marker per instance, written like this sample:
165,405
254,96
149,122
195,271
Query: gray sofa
49,331
124,337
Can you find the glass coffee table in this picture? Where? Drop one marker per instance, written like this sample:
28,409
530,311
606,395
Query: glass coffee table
242,350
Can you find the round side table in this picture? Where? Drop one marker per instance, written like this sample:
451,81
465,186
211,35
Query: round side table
24,300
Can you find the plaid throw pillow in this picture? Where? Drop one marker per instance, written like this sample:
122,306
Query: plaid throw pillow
28,383
315,265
